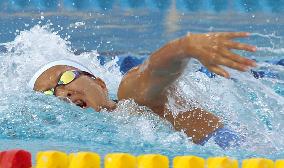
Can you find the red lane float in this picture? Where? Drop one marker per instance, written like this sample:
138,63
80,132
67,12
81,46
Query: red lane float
15,159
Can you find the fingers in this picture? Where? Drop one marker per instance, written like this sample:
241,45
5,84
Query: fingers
231,35
228,59
240,46
218,70
237,58
231,64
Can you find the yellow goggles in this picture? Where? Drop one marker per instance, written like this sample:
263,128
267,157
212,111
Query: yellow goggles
68,77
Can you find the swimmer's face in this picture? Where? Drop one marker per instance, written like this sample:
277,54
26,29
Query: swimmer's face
83,91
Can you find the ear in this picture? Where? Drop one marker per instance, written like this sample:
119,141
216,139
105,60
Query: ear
101,83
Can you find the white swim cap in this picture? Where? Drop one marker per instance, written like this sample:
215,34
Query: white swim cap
54,63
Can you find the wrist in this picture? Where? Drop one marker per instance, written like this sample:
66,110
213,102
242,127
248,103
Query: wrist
186,46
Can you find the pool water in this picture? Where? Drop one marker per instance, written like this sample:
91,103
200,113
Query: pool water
252,104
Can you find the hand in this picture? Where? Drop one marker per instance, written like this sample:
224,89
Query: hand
213,50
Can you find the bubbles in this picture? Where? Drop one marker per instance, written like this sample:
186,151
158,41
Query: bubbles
33,48
77,24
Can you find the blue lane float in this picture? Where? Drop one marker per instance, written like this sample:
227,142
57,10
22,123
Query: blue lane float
127,62
263,74
281,62
243,6
207,72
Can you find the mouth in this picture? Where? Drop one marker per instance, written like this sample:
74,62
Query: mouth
81,103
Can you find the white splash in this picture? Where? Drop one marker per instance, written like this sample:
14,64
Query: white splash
247,105
33,48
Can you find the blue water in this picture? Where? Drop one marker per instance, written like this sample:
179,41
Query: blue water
35,32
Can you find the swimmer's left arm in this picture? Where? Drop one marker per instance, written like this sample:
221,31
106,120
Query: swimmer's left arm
211,49
165,65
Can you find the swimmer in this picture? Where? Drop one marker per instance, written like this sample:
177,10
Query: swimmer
147,84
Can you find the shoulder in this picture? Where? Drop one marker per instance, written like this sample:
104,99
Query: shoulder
136,85
130,84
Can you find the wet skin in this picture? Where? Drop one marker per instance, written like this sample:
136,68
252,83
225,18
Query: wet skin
148,83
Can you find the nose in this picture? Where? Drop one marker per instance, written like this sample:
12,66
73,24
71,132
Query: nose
111,105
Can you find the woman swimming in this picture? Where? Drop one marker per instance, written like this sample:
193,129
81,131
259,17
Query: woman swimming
147,84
